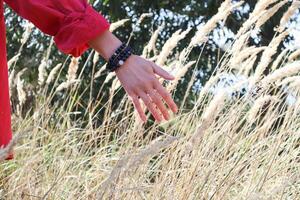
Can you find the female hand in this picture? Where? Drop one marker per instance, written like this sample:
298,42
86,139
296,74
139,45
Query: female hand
137,76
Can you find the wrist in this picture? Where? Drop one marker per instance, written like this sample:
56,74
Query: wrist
105,44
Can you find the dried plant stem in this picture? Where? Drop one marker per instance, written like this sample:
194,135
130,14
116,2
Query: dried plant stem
114,26
287,70
267,55
225,9
170,45
289,13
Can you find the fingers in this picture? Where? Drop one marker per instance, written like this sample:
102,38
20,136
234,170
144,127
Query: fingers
154,103
138,107
148,102
158,102
167,97
152,93
161,72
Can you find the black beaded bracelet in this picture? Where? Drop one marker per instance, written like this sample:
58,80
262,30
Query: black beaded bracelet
119,57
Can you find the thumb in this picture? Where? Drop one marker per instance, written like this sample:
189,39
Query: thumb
161,72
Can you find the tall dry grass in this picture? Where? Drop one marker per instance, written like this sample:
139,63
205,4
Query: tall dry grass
227,147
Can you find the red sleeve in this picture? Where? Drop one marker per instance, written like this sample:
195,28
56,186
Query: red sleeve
72,22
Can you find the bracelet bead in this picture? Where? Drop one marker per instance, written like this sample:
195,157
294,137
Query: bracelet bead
119,57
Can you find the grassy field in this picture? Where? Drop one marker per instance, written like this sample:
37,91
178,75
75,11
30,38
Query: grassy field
242,142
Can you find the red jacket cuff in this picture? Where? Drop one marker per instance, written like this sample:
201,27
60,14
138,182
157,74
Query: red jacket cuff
77,29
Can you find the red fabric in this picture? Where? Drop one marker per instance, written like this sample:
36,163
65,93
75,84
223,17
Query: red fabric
72,23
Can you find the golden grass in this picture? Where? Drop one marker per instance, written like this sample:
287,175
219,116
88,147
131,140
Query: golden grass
223,148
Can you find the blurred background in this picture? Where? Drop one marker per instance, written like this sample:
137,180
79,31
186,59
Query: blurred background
236,135
172,16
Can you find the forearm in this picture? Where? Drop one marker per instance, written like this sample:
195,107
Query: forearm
105,44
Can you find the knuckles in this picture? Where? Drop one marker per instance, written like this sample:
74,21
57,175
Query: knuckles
147,102
155,99
148,83
165,95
